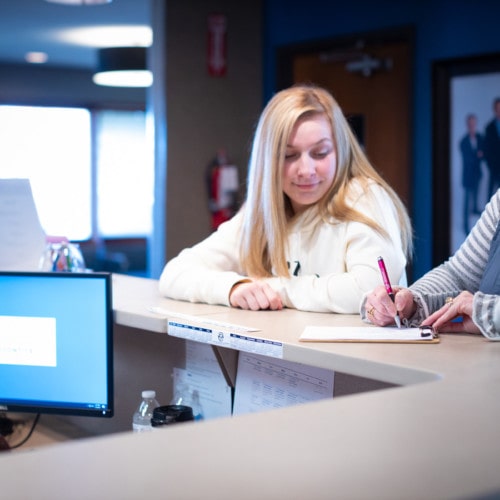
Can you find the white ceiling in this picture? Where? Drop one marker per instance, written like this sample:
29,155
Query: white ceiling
32,25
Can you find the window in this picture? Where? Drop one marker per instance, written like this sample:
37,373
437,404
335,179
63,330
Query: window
91,172
51,147
125,174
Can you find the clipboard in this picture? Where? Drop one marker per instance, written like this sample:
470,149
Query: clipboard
370,334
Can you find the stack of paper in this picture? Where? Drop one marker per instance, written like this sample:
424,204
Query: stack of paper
22,239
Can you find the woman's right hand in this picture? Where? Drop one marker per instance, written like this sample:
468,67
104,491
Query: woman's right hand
254,295
380,309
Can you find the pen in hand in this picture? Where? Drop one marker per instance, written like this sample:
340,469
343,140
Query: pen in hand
388,287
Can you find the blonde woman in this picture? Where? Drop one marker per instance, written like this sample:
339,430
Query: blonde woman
315,219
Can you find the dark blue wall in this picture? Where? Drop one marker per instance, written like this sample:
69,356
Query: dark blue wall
443,29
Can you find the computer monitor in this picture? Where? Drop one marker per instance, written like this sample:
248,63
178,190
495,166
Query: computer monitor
56,343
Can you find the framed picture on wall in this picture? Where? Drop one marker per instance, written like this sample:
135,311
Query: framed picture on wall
465,91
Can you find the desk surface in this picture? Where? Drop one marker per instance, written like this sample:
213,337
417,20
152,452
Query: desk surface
436,437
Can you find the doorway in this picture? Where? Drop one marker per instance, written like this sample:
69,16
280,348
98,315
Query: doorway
370,77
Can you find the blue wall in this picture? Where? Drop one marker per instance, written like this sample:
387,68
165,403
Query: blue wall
443,29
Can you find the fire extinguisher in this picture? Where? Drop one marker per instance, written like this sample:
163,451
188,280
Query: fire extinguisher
222,188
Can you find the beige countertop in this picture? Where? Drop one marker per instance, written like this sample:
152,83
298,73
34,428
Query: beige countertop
436,436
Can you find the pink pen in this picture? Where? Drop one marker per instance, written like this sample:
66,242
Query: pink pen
388,287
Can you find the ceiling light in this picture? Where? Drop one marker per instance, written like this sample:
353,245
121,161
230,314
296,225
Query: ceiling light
80,2
36,57
107,36
123,67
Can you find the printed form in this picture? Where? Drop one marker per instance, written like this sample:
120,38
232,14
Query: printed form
265,383
203,376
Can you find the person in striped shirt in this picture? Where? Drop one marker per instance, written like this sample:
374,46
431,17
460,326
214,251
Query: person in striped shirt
460,295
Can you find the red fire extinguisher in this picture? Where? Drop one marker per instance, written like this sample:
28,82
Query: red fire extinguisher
222,187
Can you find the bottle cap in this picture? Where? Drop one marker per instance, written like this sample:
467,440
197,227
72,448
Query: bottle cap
149,394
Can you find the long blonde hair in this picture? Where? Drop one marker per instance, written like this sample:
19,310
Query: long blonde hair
266,210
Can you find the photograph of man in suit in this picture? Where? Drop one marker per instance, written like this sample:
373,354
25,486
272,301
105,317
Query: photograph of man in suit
492,148
472,151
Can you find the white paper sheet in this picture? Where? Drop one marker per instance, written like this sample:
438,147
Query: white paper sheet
218,333
367,333
203,375
265,383
22,239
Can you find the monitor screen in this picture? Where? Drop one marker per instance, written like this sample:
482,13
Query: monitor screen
56,343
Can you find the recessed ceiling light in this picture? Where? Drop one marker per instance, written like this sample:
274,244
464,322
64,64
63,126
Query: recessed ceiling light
36,57
124,78
108,36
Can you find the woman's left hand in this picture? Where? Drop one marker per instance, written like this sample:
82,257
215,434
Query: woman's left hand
442,319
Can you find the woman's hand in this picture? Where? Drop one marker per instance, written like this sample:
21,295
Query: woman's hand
254,295
380,309
442,319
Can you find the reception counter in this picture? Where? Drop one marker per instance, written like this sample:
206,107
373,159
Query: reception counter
433,434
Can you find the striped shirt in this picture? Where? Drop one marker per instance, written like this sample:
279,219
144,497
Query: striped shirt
464,271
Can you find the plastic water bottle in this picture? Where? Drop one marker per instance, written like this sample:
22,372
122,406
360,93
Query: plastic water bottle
196,405
183,395
141,420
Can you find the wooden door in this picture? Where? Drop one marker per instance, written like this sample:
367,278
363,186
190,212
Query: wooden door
377,102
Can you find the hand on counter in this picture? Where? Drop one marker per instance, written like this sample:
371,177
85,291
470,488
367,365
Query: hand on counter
254,295
460,306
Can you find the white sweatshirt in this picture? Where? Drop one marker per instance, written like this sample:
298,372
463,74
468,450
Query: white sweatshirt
331,264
